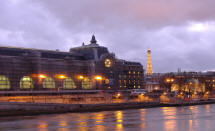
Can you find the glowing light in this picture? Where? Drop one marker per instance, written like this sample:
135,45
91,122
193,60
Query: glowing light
199,27
107,81
42,76
61,76
164,93
168,80
98,77
156,88
118,95
119,118
108,63
80,77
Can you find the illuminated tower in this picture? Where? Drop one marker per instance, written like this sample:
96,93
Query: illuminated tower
149,63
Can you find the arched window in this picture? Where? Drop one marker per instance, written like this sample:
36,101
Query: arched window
69,83
49,83
4,82
26,83
87,84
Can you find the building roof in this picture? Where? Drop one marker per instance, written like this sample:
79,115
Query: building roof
16,51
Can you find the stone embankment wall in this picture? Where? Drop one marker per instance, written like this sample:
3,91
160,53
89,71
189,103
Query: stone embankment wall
14,108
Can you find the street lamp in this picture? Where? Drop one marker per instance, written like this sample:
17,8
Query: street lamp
80,79
98,78
61,77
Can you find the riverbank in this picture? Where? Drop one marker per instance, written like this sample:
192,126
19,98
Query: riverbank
16,109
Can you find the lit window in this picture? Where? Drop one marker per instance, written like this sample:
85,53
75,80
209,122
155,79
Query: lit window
69,83
49,83
87,84
4,82
26,83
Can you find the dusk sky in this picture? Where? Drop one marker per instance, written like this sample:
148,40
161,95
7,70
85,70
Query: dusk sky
180,33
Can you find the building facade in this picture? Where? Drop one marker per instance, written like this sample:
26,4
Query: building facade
188,82
86,67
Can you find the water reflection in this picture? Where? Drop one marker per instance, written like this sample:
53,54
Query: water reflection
63,125
169,118
42,126
119,120
99,120
193,118
143,120
83,123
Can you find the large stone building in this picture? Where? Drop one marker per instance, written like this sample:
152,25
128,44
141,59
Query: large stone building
86,67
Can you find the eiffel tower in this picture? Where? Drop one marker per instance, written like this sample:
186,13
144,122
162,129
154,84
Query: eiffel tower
149,70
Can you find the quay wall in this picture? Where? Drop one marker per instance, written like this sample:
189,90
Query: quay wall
17,108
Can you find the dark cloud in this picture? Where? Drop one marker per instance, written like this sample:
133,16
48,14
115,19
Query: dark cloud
179,32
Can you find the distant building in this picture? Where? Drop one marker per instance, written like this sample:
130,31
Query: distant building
86,67
152,82
188,82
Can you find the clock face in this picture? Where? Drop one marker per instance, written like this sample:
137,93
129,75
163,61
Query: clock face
108,63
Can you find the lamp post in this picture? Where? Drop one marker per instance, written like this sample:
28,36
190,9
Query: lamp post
98,79
61,77
40,80
169,82
80,79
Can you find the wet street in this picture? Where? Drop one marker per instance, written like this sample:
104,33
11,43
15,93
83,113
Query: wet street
190,118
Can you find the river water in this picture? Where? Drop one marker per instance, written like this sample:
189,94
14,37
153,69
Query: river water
190,118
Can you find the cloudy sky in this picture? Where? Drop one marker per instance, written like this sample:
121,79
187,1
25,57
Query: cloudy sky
180,33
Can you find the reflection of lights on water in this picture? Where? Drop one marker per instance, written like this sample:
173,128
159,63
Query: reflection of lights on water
143,115
83,123
63,126
63,123
99,120
119,120
170,116
208,107
42,126
191,125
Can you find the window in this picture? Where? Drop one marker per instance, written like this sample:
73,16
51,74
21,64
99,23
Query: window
69,83
87,84
4,82
26,83
49,83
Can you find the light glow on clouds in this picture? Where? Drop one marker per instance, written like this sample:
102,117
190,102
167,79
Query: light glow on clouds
200,27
